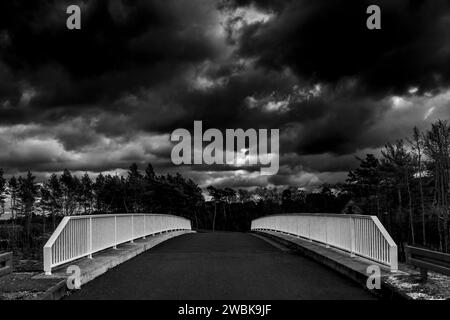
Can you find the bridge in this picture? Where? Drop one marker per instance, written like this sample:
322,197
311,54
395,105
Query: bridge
220,265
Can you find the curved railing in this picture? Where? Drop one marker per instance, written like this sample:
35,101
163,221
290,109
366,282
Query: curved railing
81,236
360,235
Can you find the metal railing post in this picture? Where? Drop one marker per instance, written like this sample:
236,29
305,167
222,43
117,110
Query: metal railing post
309,229
90,238
115,232
326,234
48,261
132,229
145,227
393,251
352,236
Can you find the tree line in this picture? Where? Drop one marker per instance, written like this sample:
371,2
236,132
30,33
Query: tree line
406,186
67,194
146,192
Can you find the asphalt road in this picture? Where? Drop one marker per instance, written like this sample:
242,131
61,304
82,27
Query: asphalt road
220,265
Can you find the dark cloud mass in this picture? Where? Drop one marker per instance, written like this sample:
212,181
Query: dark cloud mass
121,47
327,41
111,93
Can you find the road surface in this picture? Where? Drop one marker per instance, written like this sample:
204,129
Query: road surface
220,265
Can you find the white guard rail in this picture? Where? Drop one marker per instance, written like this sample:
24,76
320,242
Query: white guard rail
81,236
360,235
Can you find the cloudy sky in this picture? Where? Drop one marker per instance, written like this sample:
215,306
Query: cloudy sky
100,98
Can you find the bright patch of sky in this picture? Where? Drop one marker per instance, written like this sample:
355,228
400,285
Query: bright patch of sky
251,15
400,102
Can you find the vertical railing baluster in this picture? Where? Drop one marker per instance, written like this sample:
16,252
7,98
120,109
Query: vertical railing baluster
115,232
132,229
309,228
368,237
145,228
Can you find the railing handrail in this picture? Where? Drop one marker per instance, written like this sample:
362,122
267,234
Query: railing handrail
316,214
122,215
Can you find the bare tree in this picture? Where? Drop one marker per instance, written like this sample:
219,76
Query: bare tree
2,191
437,148
398,160
417,143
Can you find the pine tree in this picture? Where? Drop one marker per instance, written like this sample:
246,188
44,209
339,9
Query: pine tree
13,186
216,196
397,162
45,203
149,173
417,143
136,189
2,191
28,191
99,194
87,193
56,197
68,192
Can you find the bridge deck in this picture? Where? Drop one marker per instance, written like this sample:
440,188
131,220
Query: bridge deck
220,265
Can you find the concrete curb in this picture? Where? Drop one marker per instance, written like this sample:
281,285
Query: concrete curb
56,292
6,263
387,292
92,268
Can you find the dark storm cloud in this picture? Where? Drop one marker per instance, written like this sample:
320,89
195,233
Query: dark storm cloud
224,106
122,46
111,93
335,127
327,41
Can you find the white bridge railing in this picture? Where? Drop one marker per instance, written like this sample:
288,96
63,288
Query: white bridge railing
360,235
81,236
